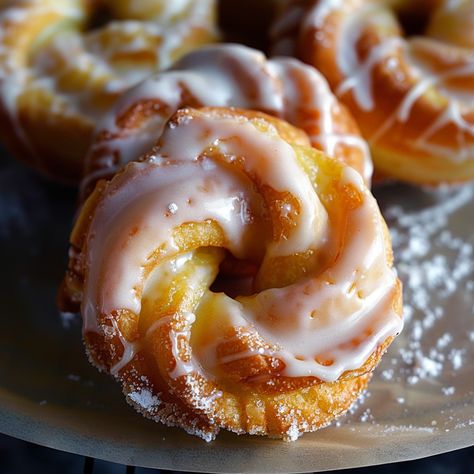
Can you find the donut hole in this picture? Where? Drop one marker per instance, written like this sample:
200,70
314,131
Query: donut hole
103,12
250,30
100,16
414,18
236,277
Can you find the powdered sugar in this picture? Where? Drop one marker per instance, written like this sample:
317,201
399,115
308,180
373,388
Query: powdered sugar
293,432
433,248
435,263
448,390
144,398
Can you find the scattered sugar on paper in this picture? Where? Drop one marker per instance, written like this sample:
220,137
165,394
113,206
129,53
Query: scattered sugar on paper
448,390
435,264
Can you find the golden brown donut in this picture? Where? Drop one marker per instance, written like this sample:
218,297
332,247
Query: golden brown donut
63,63
298,343
226,75
404,69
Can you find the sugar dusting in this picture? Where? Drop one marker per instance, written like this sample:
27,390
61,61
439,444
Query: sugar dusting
434,255
428,363
435,265
144,398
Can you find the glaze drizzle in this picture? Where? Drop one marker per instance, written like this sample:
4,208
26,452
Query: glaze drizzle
223,76
341,314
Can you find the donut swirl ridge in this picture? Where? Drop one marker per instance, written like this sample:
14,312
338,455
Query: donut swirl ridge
282,354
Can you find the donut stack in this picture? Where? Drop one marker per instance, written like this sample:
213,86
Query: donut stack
231,266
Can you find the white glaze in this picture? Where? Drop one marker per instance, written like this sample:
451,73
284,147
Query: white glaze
229,75
341,313
360,80
130,349
451,114
86,54
137,205
358,75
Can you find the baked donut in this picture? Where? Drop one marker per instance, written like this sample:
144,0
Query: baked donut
404,69
64,63
284,352
226,75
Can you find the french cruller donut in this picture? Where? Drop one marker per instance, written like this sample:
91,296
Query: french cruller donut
63,63
226,75
280,352
405,69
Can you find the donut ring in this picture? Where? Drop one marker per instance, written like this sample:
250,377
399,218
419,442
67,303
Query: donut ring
226,75
299,345
59,71
413,97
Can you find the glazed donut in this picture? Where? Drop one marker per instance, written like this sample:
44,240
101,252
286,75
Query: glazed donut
297,343
411,92
226,75
60,70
